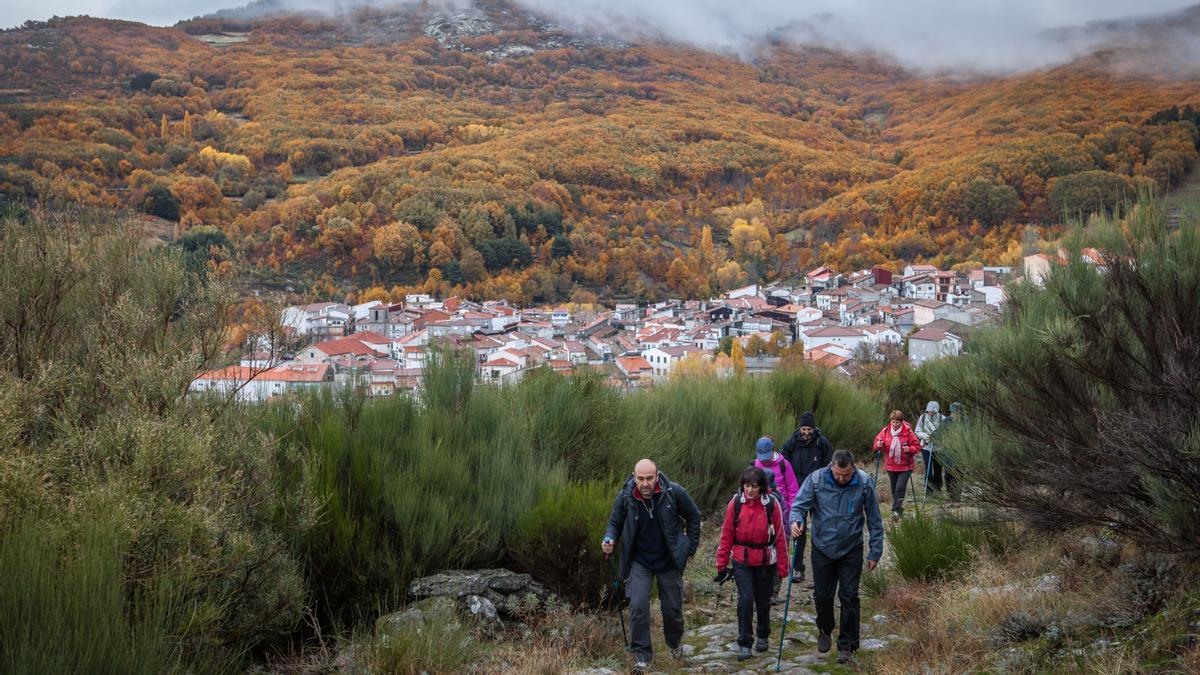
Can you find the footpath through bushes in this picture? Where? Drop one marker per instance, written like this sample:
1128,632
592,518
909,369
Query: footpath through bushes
225,526
522,475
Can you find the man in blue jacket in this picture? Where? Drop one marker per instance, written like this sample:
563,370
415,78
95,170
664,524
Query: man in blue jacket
659,528
841,498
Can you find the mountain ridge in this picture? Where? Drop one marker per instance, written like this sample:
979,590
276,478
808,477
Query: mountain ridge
334,159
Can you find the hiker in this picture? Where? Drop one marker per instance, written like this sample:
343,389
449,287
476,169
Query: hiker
807,450
899,446
753,542
659,528
767,459
840,498
944,460
773,491
927,426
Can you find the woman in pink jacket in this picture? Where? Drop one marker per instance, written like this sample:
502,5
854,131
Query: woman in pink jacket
899,445
785,478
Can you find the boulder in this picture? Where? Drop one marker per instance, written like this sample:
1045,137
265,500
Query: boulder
481,612
417,617
509,594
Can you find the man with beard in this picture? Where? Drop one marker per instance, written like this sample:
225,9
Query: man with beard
806,450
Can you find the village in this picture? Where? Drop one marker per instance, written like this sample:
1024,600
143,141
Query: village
829,319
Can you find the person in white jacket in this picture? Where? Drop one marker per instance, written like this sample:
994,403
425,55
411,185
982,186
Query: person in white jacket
927,425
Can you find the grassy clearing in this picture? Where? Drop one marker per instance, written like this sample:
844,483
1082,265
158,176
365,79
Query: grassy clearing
1064,603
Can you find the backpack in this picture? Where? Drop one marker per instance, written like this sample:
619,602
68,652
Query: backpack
737,512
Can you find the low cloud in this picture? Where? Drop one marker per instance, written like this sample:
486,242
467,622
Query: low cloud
991,36
995,36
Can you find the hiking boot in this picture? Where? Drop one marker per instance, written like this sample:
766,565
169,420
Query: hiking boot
760,645
676,652
641,668
845,656
798,577
824,643
743,653
896,516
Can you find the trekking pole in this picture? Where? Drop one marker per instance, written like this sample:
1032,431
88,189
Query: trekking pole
786,606
876,477
616,584
928,464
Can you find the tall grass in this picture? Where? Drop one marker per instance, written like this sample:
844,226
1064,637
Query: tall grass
409,488
470,475
927,548
558,538
64,608
435,644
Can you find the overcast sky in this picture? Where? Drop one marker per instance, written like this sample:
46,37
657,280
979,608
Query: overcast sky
985,34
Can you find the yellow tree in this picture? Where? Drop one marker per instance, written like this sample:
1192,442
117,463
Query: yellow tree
707,255
738,358
679,277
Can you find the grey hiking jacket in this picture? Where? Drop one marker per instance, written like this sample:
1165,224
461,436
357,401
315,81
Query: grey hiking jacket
927,426
839,512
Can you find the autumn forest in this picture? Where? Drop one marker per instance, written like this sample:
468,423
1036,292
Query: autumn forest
382,151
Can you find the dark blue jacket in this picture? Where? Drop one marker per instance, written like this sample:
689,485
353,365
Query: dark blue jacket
680,522
838,513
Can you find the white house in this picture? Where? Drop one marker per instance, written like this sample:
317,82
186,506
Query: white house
254,385
880,334
919,287
929,344
560,317
842,336
990,295
323,319
1036,268
928,311
663,359
500,369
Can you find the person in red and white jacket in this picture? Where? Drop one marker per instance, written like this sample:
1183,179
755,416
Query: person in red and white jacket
754,544
899,446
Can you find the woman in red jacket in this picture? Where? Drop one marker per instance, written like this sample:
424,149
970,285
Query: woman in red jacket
899,446
754,540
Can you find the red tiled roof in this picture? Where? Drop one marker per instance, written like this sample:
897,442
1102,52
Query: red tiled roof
929,334
347,345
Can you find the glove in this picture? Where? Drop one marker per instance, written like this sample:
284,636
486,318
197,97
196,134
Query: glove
723,576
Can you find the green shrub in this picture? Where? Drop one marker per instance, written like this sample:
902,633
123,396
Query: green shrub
578,420
437,643
558,541
1084,396
104,335
408,488
926,548
64,609
875,584
848,416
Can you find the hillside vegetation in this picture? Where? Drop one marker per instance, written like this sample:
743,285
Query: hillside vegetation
510,159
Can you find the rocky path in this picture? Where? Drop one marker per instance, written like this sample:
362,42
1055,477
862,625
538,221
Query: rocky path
710,642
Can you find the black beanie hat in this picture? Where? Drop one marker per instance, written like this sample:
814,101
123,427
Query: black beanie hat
807,420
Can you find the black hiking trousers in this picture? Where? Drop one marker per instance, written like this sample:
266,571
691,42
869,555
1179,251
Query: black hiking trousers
754,586
899,483
838,577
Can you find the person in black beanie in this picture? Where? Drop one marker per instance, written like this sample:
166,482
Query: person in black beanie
806,450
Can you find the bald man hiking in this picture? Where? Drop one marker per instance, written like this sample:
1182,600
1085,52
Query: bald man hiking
658,526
